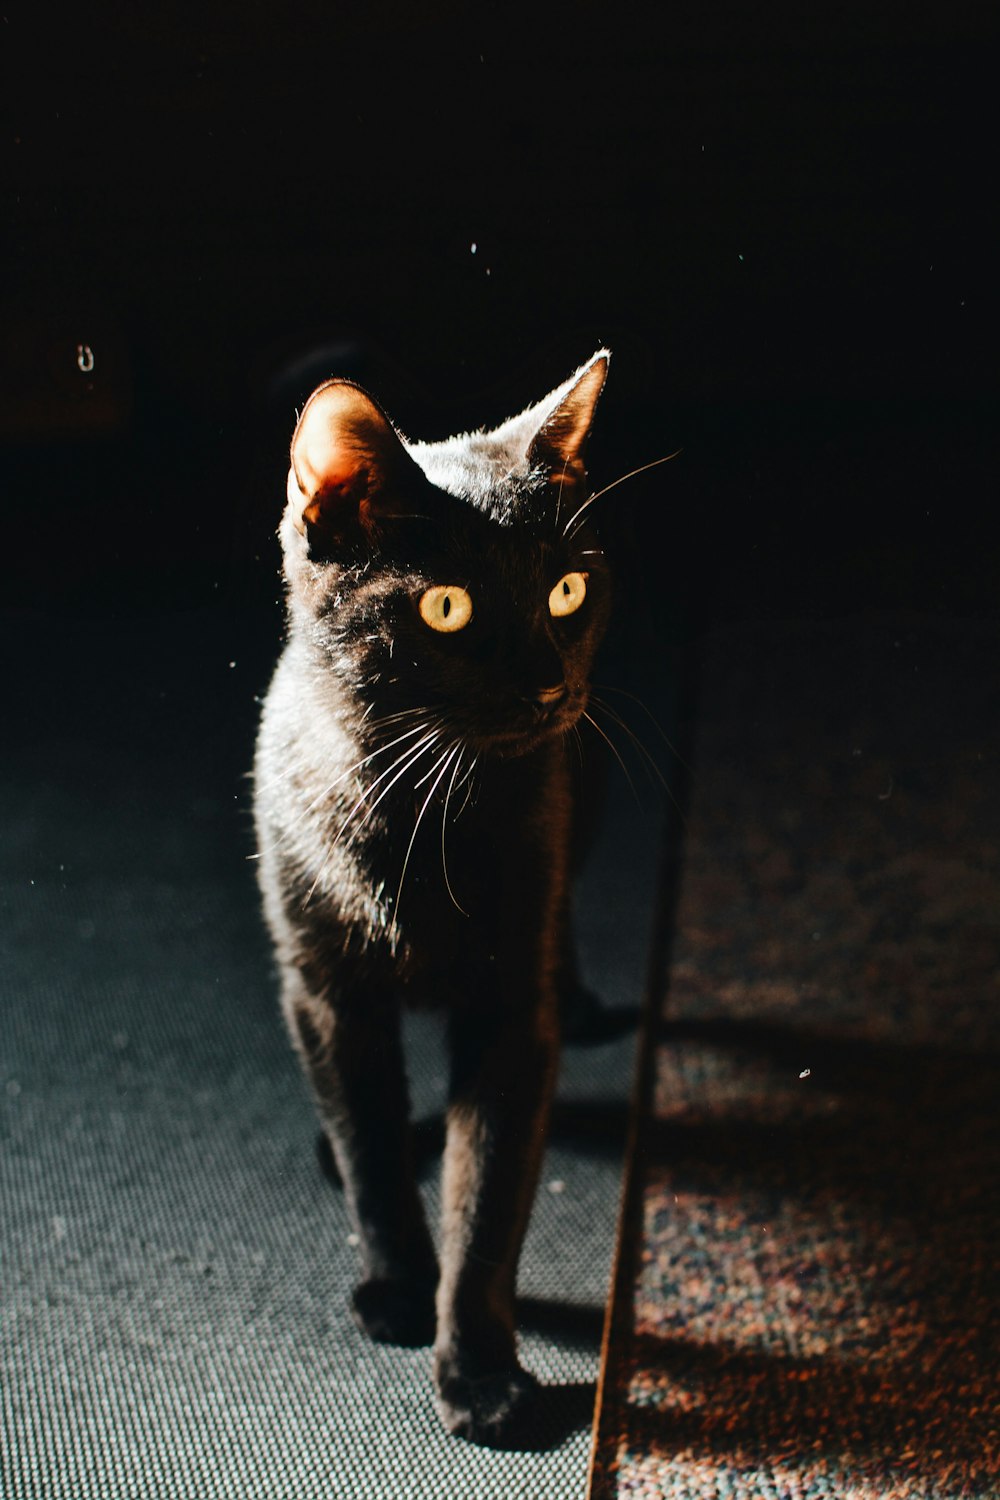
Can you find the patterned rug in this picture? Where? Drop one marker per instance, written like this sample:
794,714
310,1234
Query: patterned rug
805,1296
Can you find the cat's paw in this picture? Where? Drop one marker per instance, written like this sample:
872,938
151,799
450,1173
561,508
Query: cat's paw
395,1312
494,1409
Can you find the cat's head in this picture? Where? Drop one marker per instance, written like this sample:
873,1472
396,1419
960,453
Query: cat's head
459,581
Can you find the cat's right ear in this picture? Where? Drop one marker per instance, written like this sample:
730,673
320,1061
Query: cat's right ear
348,469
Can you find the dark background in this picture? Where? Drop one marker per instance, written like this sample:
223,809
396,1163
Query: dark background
779,217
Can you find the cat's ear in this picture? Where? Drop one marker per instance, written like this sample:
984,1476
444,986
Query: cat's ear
348,466
566,416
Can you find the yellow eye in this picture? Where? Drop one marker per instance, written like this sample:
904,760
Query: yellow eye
446,607
568,594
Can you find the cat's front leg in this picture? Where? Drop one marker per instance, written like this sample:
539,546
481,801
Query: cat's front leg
351,1050
503,1072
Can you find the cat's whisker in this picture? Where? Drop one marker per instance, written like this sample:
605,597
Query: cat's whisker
648,760
367,759
410,754
562,481
614,485
266,786
357,766
579,744
614,751
421,750
410,760
444,823
467,778
319,876
449,755
400,714
427,776
606,687
379,750
468,783
649,763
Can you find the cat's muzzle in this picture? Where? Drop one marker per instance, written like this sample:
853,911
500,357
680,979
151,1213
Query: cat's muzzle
545,701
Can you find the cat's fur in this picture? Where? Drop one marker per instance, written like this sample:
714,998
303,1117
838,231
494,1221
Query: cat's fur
375,722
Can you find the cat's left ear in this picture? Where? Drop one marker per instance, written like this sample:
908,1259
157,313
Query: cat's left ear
349,469
567,415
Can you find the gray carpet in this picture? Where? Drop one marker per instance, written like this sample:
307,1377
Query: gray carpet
174,1265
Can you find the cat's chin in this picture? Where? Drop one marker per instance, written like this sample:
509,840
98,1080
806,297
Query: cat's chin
510,745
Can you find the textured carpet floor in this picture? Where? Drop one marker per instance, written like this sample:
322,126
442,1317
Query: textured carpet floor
811,1307
175,1269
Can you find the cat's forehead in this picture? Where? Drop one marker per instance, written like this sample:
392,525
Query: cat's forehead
491,538
486,546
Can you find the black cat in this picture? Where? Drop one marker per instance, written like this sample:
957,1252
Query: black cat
415,816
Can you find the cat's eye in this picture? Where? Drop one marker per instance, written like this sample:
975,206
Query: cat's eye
568,594
446,607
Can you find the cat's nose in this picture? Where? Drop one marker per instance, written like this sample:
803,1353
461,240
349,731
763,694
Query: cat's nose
548,697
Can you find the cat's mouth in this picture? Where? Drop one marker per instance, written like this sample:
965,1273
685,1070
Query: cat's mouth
535,724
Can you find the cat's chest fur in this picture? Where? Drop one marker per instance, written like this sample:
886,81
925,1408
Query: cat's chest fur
428,862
